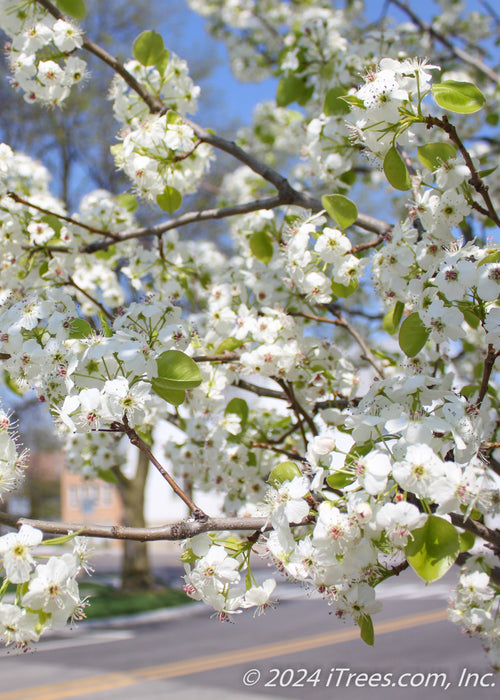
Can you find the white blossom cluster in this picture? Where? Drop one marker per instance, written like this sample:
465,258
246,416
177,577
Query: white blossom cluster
475,602
47,594
13,460
159,151
215,563
41,52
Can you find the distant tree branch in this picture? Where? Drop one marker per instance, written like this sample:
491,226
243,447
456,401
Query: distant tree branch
459,53
20,200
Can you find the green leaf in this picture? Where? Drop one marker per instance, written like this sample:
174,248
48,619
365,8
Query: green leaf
106,329
413,335
107,475
163,61
333,104
392,318
433,549
469,390
470,313
239,407
467,541
340,208
12,384
396,171
127,201
457,96
492,119
293,89
170,200
340,480
177,371
433,155
148,48
354,101
72,8
54,223
80,328
286,471
173,396
188,556
261,246
367,632
492,257
342,290
228,345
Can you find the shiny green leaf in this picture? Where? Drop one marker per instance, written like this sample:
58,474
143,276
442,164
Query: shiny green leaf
413,335
396,171
433,548
456,96
148,48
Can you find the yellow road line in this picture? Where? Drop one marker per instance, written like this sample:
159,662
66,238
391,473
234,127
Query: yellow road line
107,681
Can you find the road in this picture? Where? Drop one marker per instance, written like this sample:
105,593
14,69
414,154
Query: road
293,652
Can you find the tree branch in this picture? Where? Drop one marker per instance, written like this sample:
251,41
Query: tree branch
475,180
259,390
488,369
367,353
68,219
476,528
134,438
174,532
459,53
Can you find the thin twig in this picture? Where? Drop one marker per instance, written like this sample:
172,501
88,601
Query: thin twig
61,217
367,353
225,357
297,408
489,363
71,282
268,446
259,390
476,181
134,438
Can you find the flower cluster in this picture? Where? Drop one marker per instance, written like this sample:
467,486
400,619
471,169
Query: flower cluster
213,564
159,151
40,52
46,594
475,602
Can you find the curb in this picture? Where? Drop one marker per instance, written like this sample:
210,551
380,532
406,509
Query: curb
175,612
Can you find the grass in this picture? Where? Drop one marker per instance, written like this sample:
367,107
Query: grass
106,601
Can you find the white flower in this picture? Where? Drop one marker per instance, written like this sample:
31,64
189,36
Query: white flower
332,245
287,505
398,520
372,471
17,625
16,550
419,470
52,589
488,286
66,36
259,596
492,326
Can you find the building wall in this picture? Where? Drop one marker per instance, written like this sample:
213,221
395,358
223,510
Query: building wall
89,500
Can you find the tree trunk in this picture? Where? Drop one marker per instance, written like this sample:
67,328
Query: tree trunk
136,574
